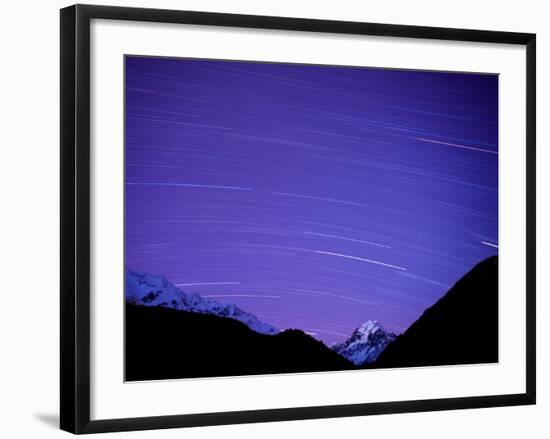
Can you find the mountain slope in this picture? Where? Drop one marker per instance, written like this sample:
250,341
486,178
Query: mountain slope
151,290
460,328
365,344
164,343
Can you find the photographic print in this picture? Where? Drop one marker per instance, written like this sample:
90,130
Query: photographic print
288,218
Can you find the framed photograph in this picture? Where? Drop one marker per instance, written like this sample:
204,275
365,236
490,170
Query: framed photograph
268,218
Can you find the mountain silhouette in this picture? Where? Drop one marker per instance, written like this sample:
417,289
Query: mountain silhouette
165,343
460,328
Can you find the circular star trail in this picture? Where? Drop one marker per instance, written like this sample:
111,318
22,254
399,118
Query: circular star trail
315,197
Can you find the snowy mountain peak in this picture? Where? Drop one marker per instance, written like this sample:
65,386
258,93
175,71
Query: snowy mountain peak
365,344
152,290
369,327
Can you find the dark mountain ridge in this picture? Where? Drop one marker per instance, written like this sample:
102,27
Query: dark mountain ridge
460,328
164,343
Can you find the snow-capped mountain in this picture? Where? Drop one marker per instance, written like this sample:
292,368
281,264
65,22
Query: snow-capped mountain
152,290
365,344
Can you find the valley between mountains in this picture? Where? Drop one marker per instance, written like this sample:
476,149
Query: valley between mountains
173,334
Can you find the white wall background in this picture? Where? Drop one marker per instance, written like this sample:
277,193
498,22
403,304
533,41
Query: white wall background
29,206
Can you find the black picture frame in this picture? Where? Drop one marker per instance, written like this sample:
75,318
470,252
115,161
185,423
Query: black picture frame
75,217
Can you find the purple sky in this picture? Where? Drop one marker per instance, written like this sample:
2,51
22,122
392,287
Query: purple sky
315,197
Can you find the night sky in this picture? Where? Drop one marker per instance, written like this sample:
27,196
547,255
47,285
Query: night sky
315,197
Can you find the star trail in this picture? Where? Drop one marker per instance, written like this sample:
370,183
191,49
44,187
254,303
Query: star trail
315,197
